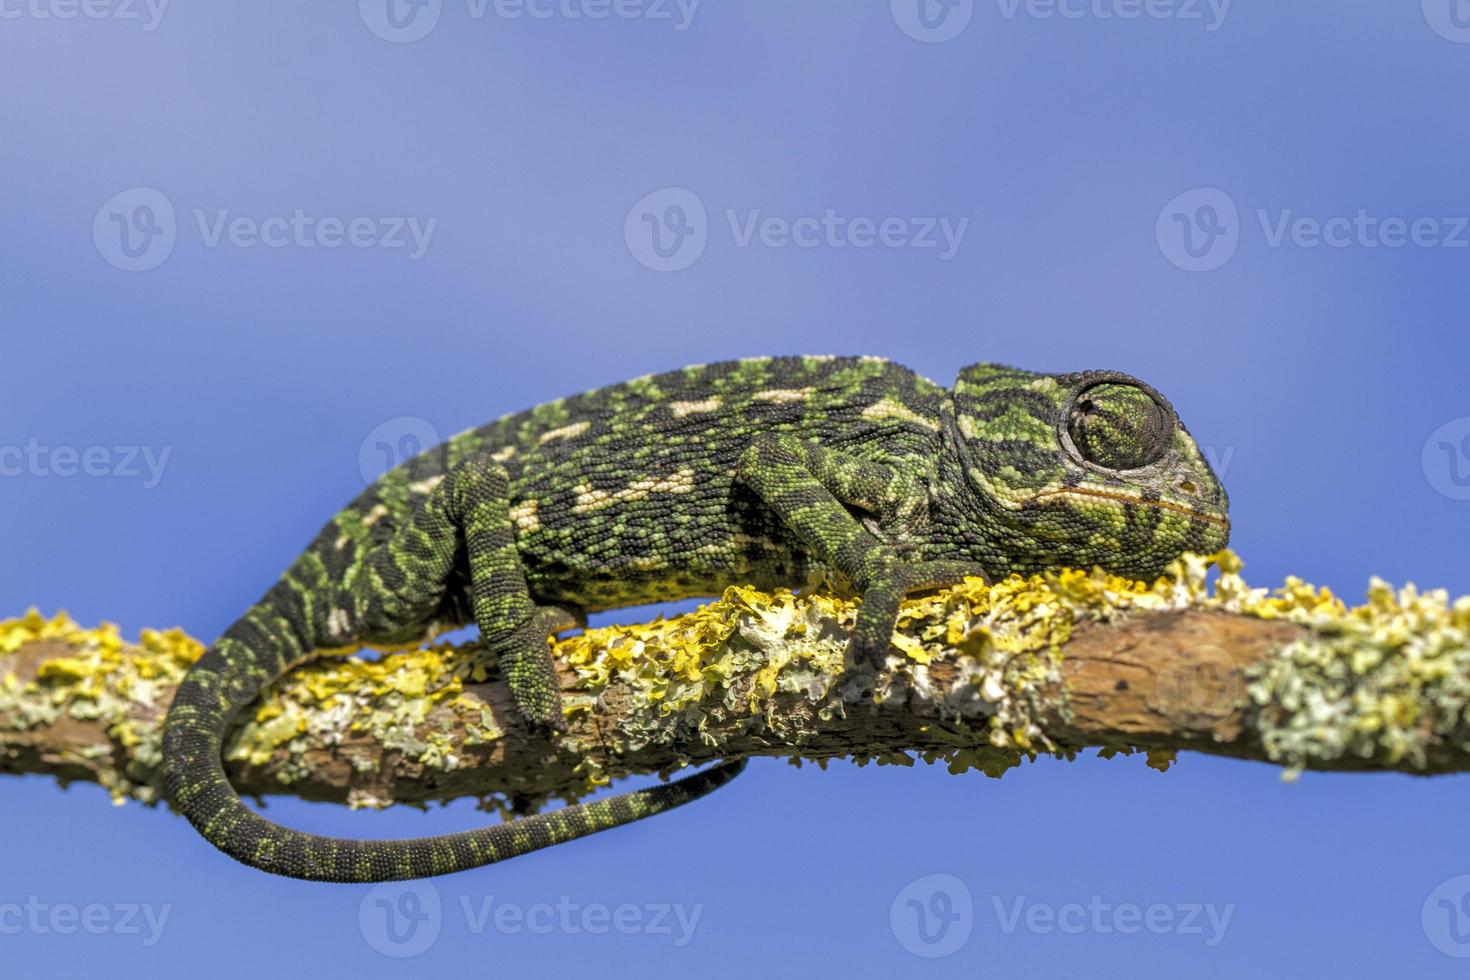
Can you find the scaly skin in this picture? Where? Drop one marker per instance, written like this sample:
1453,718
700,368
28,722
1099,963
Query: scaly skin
676,485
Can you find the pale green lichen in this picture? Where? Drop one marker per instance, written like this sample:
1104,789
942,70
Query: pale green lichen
1381,681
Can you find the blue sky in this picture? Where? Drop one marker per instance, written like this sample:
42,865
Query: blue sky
241,245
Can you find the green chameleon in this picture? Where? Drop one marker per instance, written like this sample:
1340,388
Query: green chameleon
758,471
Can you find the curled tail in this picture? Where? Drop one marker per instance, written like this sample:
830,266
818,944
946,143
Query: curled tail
253,653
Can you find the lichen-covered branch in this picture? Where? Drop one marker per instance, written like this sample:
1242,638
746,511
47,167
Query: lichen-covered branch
980,677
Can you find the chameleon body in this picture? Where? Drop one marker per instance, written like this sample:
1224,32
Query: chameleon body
760,471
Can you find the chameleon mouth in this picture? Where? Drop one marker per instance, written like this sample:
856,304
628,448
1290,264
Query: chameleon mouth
1223,522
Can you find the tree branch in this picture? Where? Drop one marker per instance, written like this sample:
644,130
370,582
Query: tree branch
981,677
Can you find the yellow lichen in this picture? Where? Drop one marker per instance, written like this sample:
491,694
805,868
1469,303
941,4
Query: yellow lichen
1376,680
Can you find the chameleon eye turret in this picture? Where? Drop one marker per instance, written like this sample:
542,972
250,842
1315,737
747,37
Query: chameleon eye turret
1119,425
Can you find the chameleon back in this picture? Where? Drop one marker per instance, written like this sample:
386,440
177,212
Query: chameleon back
628,494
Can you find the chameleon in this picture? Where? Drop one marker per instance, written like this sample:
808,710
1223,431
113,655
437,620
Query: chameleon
763,471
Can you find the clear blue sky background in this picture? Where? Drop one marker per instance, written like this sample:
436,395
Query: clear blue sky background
1316,374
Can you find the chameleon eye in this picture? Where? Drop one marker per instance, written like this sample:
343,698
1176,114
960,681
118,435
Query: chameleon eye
1119,426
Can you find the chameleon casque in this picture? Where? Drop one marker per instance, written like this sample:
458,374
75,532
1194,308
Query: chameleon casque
758,471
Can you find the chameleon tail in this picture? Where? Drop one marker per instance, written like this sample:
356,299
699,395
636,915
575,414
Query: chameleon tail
263,646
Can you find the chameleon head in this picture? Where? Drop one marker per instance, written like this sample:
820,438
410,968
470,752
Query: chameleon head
1083,469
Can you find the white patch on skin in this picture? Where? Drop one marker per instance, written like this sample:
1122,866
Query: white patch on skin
523,515
890,408
426,486
590,499
375,515
565,432
501,455
782,395
681,409
338,622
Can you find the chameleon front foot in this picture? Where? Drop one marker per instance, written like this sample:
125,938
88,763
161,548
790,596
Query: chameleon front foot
872,637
